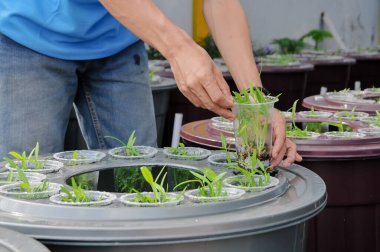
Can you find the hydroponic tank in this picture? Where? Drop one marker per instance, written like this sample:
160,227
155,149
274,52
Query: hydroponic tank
270,220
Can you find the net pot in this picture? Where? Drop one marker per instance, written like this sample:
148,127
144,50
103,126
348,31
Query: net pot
238,182
193,153
229,194
343,135
83,157
13,190
12,177
173,199
97,199
145,152
220,159
48,166
348,115
315,114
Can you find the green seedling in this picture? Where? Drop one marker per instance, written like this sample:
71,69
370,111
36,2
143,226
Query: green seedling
129,148
180,150
26,160
75,158
183,152
78,195
251,170
225,149
296,132
349,115
211,184
374,120
157,185
25,186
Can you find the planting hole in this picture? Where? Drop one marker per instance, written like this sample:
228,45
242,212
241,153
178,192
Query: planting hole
127,178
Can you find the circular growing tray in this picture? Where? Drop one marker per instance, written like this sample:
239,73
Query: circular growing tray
253,213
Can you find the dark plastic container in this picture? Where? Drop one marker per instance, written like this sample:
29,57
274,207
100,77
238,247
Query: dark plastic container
349,168
366,70
333,74
11,241
287,81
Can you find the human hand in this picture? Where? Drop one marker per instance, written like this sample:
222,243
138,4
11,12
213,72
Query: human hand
281,145
200,81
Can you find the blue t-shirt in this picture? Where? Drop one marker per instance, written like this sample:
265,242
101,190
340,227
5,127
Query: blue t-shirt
65,29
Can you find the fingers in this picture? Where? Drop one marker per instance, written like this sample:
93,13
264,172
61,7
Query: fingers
289,149
211,102
277,160
204,91
278,134
291,154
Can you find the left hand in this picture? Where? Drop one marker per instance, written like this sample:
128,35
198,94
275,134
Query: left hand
281,145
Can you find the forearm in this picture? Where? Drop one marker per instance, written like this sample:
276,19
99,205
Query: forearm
145,19
229,28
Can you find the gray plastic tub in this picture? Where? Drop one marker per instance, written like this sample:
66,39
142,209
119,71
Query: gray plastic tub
271,220
11,241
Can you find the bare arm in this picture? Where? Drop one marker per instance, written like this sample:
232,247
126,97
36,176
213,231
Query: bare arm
229,28
196,75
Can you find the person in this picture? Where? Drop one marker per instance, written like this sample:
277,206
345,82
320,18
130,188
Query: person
90,53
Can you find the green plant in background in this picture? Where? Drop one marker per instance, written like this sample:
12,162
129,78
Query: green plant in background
279,59
250,171
180,175
314,127
160,192
211,184
85,181
296,132
318,36
78,195
253,123
26,160
129,148
127,179
210,47
153,54
25,186
289,46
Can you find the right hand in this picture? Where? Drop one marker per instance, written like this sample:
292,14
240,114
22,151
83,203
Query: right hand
200,81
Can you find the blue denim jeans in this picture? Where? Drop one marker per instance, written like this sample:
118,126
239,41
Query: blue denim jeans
111,96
